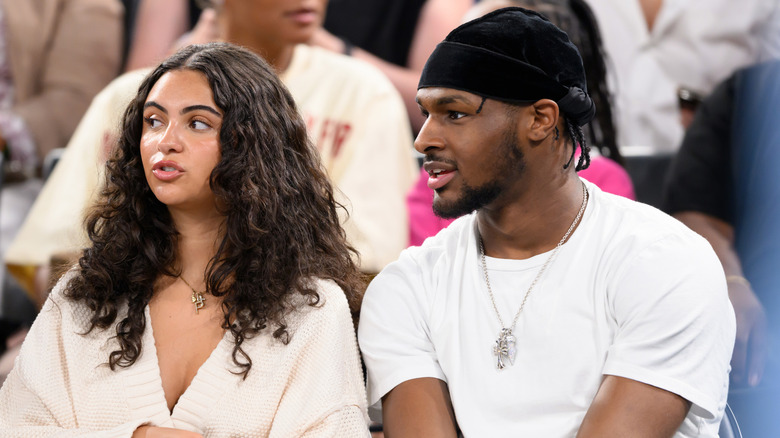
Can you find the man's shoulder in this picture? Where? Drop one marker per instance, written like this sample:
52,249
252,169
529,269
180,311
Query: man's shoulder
638,220
419,272
631,229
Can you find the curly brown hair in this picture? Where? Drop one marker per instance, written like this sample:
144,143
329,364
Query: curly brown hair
281,227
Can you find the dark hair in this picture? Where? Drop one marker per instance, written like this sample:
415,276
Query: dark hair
576,19
281,229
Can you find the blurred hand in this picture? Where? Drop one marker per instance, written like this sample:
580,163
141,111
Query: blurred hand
163,432
750,348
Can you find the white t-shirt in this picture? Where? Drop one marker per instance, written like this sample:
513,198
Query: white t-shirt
633,293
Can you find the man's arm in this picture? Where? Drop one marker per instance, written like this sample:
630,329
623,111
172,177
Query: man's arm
750,349
419,408
627,408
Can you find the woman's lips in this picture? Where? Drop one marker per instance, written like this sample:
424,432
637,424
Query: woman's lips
167,170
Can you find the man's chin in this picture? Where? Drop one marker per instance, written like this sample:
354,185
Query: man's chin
446,210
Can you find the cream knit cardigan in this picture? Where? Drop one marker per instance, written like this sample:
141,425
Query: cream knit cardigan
62,386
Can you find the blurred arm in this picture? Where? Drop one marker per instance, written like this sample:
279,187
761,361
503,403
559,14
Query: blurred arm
158,25
751,345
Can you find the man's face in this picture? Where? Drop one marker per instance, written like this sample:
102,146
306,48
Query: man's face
280,21
472,155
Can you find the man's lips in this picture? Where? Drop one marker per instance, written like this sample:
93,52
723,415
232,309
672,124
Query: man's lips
167,170
439,173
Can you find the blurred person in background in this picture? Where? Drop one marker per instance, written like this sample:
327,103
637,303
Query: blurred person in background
397,36
55,55
663,50
724,184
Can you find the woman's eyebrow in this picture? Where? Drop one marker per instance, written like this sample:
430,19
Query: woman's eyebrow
200,107
156,105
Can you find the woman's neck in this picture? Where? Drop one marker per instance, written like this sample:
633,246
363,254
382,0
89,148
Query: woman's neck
198,240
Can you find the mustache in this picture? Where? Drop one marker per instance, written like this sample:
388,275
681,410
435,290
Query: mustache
438,159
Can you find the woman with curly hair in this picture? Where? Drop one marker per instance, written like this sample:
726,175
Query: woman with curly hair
215,297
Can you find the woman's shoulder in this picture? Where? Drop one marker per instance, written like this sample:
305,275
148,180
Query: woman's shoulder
58,299
328,308
71,313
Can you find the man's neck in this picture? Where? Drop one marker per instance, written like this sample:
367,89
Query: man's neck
532,224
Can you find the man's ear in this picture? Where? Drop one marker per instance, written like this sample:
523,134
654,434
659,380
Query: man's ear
545,115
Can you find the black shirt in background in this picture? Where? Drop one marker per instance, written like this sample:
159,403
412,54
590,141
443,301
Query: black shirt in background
384,28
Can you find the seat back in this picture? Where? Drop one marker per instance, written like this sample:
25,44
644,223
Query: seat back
729,428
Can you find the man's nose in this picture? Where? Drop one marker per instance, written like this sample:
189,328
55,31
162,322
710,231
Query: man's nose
430,137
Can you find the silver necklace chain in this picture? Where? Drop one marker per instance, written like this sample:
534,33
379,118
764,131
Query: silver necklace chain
505,344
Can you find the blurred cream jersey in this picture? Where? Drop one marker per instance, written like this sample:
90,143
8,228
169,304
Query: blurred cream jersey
355,118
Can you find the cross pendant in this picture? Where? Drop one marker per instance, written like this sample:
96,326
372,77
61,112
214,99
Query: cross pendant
504,348
198,301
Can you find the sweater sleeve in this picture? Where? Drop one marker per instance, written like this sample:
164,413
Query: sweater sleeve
36,399
325,395
345,422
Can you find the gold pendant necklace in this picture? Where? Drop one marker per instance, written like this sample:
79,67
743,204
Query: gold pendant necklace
197,297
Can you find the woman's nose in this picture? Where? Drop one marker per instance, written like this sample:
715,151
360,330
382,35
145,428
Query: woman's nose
171,140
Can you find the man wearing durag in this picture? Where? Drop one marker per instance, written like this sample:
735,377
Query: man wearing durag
554,309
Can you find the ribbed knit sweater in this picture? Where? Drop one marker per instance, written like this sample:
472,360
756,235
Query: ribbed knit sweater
62,385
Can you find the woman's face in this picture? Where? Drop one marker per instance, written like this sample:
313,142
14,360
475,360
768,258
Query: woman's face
180,140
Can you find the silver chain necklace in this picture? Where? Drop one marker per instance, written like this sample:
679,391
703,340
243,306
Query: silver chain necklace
505,344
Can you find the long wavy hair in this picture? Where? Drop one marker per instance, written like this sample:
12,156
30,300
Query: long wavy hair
281,228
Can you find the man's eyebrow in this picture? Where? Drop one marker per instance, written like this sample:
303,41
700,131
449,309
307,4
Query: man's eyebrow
156,105
444,100
200,107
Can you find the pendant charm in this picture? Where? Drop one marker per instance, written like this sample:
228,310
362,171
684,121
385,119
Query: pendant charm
198,300
505,348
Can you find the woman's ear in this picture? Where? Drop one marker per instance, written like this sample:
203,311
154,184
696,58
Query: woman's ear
544,115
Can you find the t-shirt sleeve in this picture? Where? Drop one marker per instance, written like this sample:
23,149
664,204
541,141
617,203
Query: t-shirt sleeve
394,334
698,179
675,324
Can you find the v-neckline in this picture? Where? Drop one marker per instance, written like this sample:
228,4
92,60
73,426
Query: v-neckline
146,396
